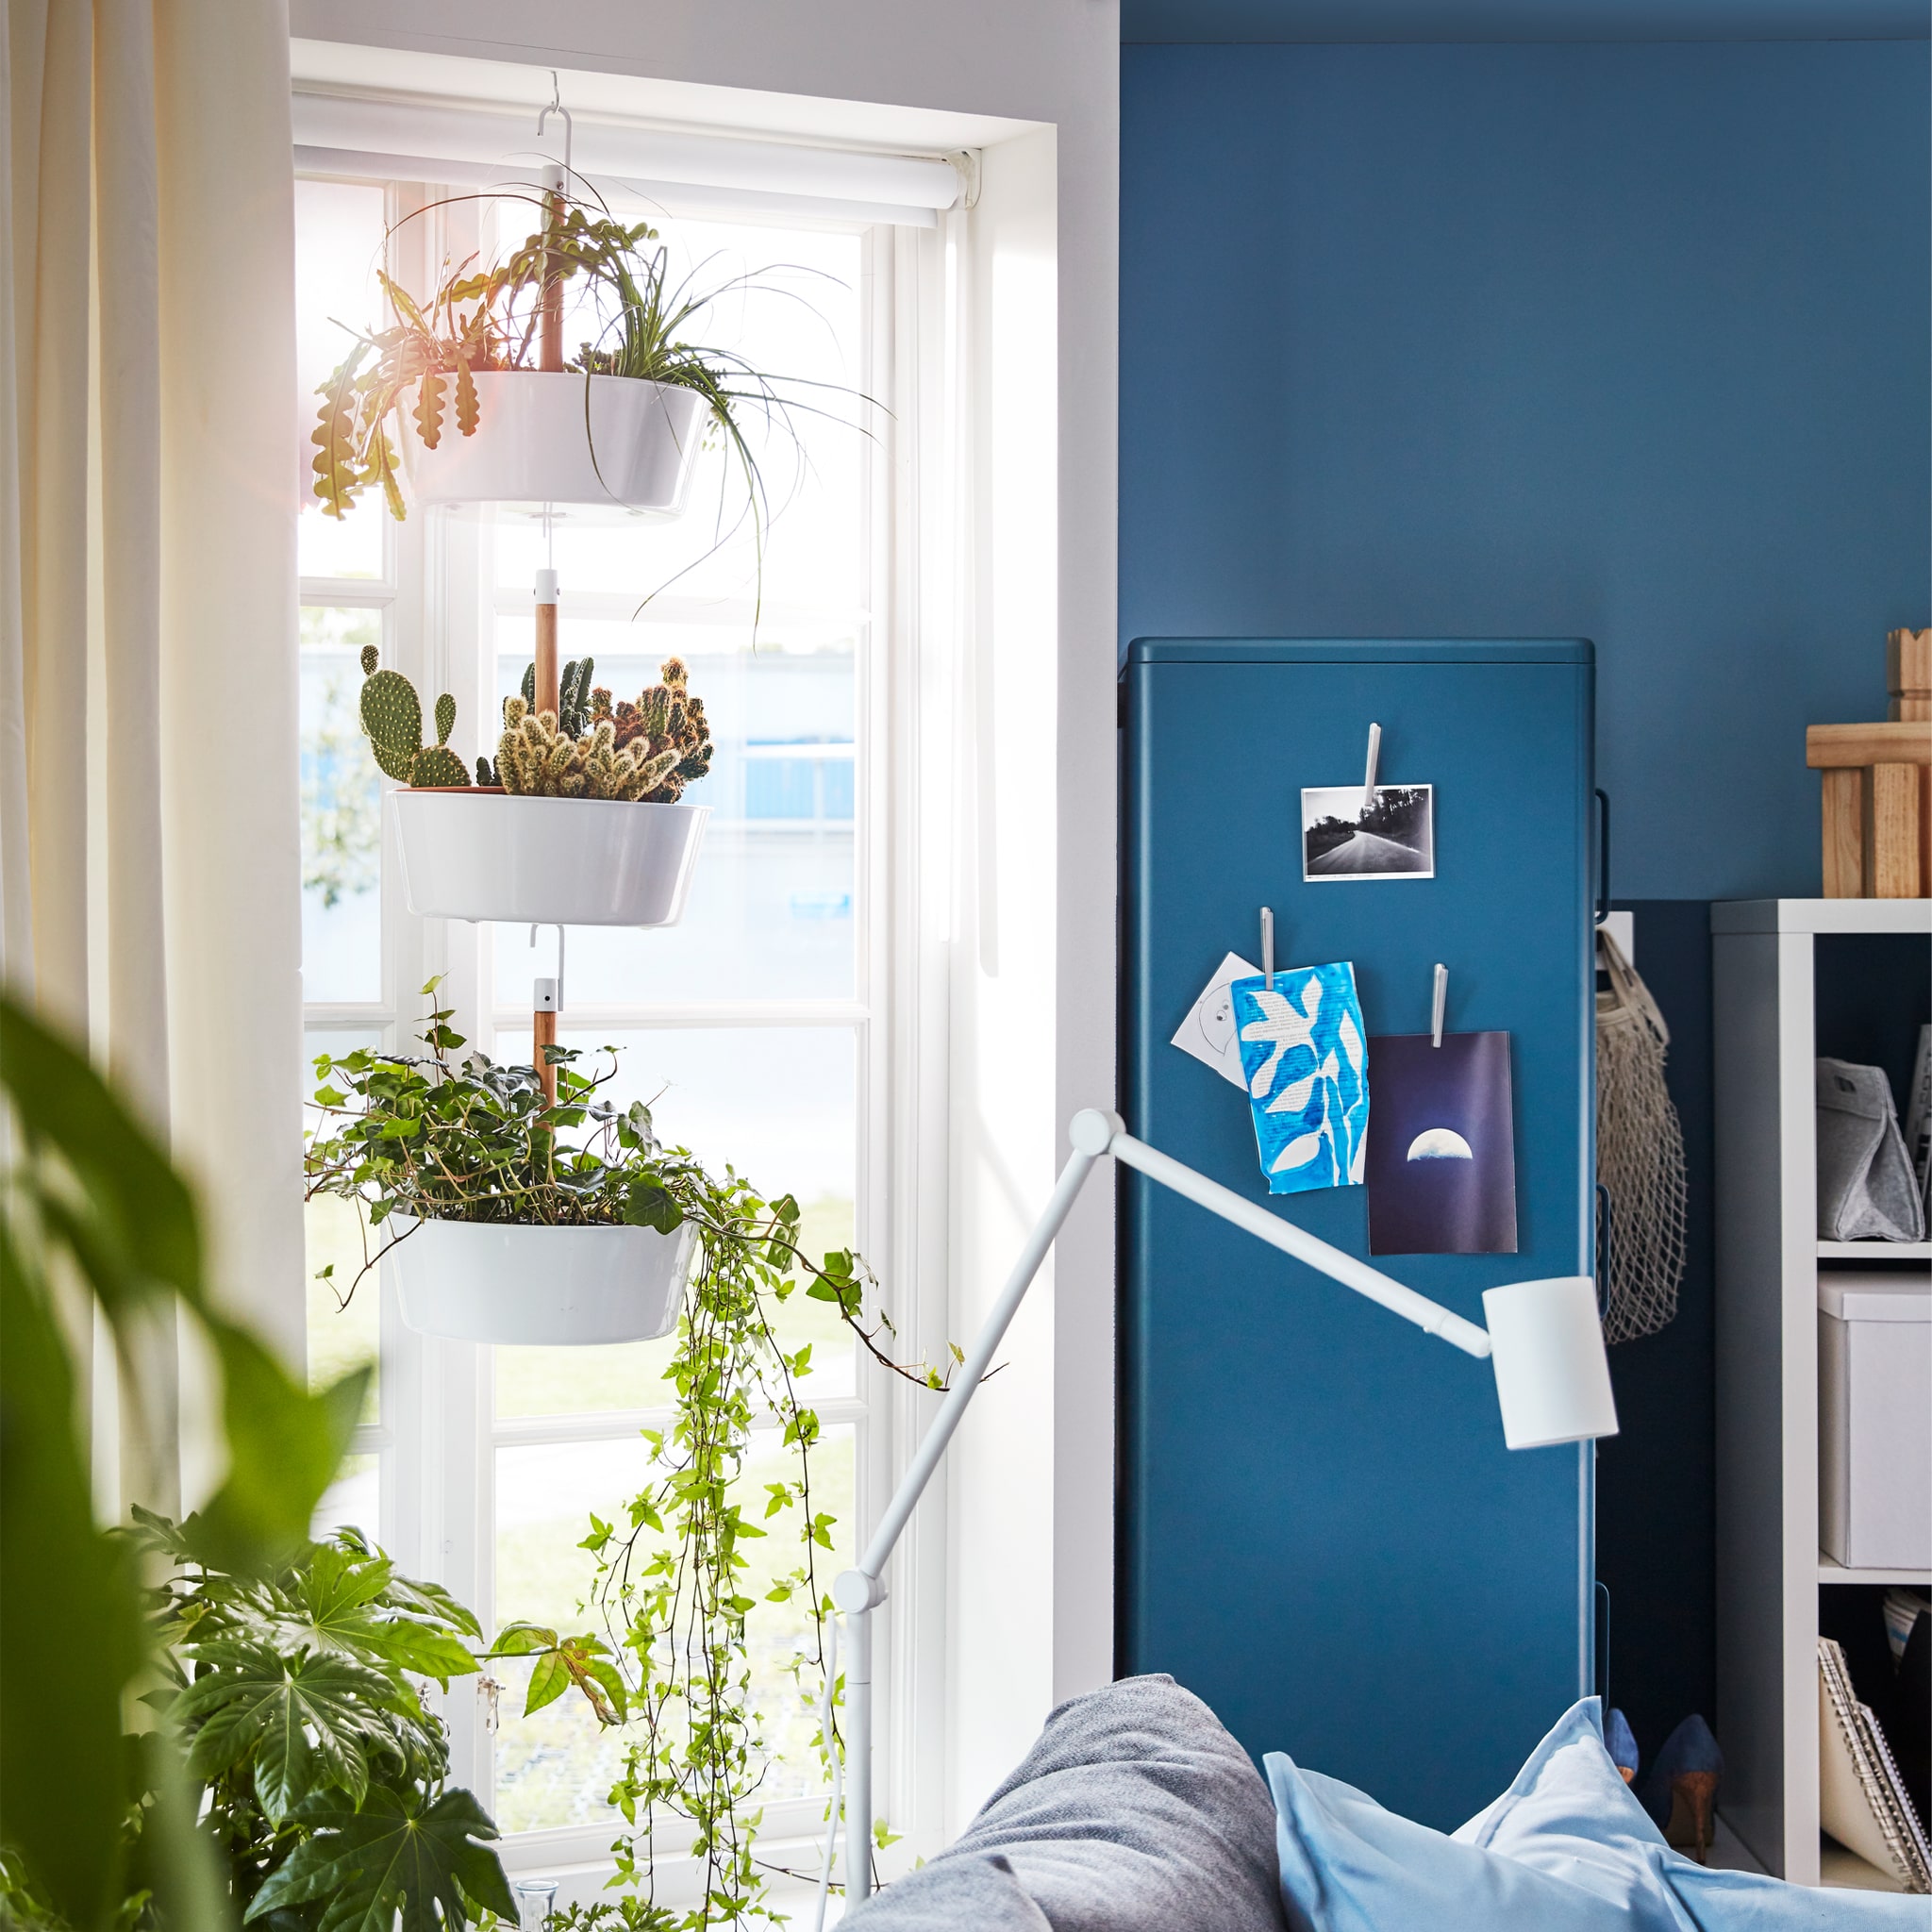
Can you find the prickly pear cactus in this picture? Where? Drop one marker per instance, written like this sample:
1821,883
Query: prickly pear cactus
439,765
392,716
486,773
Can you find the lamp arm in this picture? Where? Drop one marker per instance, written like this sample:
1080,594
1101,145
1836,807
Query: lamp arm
858,1592
1432,1318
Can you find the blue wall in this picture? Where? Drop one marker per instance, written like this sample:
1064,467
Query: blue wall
1626,343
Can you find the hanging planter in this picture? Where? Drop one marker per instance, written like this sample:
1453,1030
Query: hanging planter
581,820
481,854
617,441
496,1282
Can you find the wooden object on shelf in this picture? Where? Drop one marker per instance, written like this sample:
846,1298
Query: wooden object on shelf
1909,675
1876,804
1770,1568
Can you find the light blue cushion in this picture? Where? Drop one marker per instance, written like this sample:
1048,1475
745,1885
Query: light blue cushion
1569,1814
1349,1866
1567,1848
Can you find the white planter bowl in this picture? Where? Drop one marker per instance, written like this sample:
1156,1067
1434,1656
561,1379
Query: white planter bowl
608,439
489,1282
551,861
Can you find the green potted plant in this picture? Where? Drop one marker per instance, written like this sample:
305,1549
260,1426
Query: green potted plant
428,1145
579,820
474,383
316,1771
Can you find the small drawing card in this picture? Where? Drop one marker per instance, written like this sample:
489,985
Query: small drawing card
1208,1032
1442,1158
1304,1053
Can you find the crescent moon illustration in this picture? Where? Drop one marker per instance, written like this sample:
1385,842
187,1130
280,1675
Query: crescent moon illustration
1440,1143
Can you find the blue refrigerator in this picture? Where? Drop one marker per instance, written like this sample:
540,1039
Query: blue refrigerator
1320,1529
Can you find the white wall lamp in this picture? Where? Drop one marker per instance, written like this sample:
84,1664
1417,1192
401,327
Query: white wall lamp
1543,1340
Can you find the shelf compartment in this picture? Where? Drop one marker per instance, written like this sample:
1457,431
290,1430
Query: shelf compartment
1829,1572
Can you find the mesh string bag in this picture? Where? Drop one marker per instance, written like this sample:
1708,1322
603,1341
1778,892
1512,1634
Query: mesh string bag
1639,1154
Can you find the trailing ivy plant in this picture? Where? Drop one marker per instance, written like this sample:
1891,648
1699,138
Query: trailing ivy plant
414,1138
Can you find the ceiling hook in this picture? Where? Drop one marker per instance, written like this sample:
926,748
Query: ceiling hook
557,107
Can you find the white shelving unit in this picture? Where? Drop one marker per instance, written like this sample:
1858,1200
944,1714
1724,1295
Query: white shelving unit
1769,1565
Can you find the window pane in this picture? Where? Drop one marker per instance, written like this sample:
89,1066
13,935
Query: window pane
352,1500
339,247
556,1767
341,812
779,1104
341,1337
771,904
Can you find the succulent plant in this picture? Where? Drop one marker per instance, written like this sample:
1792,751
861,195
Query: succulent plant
392,716
534,758
666,719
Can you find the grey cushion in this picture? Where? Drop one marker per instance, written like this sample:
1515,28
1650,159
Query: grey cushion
1135,1809
952,1893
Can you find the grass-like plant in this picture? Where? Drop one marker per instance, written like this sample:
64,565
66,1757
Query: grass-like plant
488,320
432,1138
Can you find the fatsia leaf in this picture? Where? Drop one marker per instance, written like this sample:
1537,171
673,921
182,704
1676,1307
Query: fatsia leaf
391,1858
310,1720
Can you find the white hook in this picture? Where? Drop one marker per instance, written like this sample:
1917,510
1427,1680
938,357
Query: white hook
1268,946
557,107
1374,752
559,982
1441,1004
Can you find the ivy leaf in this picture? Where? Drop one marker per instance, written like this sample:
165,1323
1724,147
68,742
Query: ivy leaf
650,1204
389,1860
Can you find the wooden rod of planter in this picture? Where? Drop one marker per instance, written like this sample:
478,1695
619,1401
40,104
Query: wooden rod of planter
543,1033
550,330
546,642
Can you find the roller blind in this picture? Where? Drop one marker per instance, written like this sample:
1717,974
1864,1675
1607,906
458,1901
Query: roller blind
477,147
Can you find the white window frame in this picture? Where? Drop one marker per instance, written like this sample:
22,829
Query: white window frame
434,1435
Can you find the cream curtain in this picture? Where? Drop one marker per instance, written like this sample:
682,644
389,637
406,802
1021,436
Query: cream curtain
149,837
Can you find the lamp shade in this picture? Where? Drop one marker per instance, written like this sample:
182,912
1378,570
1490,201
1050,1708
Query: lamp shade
1553,1379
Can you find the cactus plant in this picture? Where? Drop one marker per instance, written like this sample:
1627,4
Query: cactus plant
534,759
665,720
392,716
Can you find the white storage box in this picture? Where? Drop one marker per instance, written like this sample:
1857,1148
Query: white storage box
1874,1418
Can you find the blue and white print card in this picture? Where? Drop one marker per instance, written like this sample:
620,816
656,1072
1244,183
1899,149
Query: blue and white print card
1305,1051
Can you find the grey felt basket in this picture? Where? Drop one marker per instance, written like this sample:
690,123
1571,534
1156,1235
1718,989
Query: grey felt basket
1866,1188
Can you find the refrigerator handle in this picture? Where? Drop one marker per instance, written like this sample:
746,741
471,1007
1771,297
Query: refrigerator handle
1602,854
